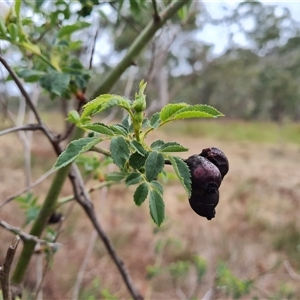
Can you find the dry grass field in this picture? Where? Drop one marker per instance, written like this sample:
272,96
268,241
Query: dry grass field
256,232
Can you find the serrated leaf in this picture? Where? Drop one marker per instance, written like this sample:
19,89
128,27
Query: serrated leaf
183,173
197,111
154,165
126,121
119,129
69,29
133,178
100,128
170,109
73,117
55,82
30,75
32,48
74,149
115,176
119,151
104,102
157,186
157,145
138,147
157,207
155,120
141,193
172,147
137,161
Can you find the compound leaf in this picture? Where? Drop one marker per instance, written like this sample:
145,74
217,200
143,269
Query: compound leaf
104,102
157,206
119,151
133,178
183,173
100,128
154,165
141,193
74,149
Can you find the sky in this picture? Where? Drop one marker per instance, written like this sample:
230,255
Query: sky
218,36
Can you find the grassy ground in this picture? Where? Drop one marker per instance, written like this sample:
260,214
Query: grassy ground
256,229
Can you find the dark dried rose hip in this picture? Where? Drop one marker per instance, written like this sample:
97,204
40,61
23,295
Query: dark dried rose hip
205,176
218,158
205,205
55,218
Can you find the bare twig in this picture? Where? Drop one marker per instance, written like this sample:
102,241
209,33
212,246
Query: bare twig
93,49
84,263
99,186
27,237
5,269
27,127
84,200
290,270
34,184
21,88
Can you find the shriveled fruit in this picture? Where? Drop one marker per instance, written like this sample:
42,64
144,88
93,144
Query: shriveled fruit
205,176
218,158
55,218
205,204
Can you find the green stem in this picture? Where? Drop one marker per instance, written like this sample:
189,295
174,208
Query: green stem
138,45
51,199
40,223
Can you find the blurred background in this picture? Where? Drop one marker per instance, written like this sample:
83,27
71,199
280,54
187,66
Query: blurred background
243,58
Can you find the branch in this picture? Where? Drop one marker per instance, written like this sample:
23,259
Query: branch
101,151
21,88
84,200
137,46
27,237
5,269
99,186
28,127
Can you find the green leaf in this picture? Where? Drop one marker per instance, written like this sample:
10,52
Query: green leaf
197,111
69,29
138,147
157,145
155,120
100,128
119,129
115,176
136,160
119,151
154,165
172,147
183,12
73,117
2,27
183,172
55,82
17,7
30,75
157,186
133,178
13,31
141,194
104,102
157,207
38,3
170,109
32,48
126,121
74,149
